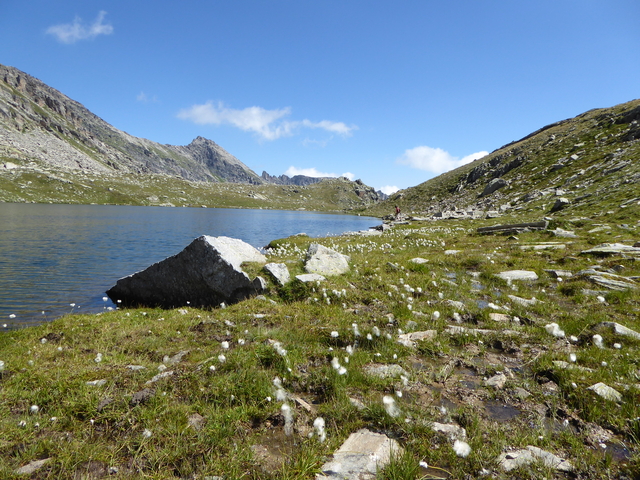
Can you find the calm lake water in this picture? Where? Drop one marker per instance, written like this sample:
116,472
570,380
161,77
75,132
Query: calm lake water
53,256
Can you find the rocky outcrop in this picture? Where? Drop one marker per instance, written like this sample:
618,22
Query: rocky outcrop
299,180
206,273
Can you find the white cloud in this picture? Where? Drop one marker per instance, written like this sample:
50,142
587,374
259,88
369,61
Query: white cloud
435,160
144,98
389,189
267,124
72,32
313,172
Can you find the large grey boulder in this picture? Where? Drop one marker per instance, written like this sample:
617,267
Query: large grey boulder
205,274
493,185
325,261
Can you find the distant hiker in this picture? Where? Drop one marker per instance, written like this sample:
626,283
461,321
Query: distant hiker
397,211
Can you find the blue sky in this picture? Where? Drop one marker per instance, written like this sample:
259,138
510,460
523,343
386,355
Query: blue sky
393,93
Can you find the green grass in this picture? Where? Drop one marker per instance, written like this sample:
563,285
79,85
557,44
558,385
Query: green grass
83,427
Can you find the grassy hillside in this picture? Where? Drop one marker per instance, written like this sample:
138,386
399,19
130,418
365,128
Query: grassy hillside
593,160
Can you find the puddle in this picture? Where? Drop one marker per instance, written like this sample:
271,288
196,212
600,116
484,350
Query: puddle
273,449
468,378
556,425
618,452
501,413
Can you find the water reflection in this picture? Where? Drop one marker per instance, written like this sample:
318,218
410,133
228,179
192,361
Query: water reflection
54,255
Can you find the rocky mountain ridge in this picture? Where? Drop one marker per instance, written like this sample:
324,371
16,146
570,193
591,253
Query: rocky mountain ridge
582,163
41,127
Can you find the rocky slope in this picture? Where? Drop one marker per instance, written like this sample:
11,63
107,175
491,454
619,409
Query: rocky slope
45,131
582,160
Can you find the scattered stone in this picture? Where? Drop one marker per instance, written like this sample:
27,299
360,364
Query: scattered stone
279,272
142,396
606,392
454,432
544,246
97,383
419,261
500,317
103,403
325,261
136,368
206,273
310,278
612,249
493,185
559,232
385,371
497,381
524,275
560,204
523,301
196,421
360,457
511,460
510,229
521,393
570,366
559,273
160,376
455,304
32,467
177,358
451,252
410,339
620,329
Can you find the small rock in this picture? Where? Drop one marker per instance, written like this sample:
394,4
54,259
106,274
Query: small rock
497,381
385,371
606,392
310,278
419,261
142,396
452,431
32,467
279,272
360,457
325,261
560,204
518,275
196,421
410,339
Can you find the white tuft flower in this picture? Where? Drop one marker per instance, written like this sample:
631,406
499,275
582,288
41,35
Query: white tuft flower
222,358
225,345
376,331
356,332
147,433
98,358
334,334
288,418
318,425
617,346
342,371
461,448
554,329
1,365
435,315
572,357
34,409
212,368
390,406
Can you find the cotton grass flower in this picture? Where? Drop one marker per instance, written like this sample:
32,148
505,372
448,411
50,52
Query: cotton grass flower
225,345
288,418
390,406
34,409
318,426
554,329
147,433
461,448
98,358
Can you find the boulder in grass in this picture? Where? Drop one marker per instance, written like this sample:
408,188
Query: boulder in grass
205,274
325,261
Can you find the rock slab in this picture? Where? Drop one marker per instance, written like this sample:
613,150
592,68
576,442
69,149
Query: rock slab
360,456
205,274
279,272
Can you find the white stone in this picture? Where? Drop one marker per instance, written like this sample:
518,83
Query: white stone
279,272
325,261
518,275
511,460
606,392
360,457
